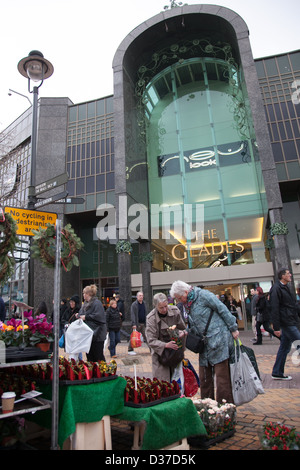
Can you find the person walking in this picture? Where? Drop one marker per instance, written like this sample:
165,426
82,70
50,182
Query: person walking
138,314
285,317
92,313
262,316
254,299
222,330
113,322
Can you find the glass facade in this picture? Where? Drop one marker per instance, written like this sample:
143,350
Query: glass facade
90,153
279,79
90,165
206,194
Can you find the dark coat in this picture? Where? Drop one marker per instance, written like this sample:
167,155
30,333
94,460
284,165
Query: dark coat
284,309
69,315
262,307
95,318
134,311
113,319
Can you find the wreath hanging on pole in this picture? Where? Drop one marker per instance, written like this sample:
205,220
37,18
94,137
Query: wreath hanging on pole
8,241
44,246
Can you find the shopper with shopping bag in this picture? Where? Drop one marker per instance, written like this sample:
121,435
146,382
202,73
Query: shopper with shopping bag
78,338
245,381
207,314
92,313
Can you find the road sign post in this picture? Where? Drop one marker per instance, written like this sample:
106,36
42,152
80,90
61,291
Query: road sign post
51,199
52,183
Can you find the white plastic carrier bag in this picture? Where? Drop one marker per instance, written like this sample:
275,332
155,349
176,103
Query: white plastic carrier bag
78,337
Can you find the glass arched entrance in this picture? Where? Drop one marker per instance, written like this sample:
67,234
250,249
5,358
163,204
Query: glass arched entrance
206,194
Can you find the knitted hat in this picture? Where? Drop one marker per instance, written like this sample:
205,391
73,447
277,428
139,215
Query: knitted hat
75,298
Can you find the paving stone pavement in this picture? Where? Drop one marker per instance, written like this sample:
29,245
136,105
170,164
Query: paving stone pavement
279,403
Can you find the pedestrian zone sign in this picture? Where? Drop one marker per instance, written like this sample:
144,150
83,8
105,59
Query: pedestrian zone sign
28,220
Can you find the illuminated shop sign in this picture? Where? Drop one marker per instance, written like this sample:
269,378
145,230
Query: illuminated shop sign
201,159
200,248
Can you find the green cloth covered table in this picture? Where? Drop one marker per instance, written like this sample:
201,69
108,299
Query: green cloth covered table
83,404
166,423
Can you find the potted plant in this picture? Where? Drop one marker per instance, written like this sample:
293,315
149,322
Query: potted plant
41,331
11,333
277,436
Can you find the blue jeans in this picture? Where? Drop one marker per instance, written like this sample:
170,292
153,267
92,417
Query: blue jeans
114,339
289,334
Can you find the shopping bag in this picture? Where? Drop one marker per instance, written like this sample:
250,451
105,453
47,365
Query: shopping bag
244,380
190,382
61,341
135,339
78,337
250,353
187,363
178,376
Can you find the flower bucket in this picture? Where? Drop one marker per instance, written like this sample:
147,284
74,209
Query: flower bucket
43,346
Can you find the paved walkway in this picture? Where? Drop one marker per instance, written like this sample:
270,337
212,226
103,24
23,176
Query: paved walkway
279,403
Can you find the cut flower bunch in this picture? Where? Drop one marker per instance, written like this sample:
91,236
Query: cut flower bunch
217,418
36,330
277,436
174,335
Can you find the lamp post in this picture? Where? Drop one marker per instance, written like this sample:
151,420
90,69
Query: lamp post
36,68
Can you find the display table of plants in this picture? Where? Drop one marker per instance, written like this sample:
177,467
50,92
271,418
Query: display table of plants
145,392
71,372
219,420
26,339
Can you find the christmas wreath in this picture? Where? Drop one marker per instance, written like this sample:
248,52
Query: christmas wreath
44,246
8,241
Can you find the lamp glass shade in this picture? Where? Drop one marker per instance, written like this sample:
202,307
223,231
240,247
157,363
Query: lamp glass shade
35,70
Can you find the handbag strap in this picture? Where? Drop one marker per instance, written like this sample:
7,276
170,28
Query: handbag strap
208,322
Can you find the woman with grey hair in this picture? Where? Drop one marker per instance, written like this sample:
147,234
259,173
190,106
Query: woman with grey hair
221,332
158,321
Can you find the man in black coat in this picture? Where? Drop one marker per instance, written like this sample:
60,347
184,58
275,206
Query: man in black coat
285,316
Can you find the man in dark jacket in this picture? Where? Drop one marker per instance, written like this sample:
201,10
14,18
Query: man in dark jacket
138,314
285,317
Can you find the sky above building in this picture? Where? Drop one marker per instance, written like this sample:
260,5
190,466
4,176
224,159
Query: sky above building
80,39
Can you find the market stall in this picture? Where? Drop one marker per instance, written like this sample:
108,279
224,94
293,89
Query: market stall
164,424
83,404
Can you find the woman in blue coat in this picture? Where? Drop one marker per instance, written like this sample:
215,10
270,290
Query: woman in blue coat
222,330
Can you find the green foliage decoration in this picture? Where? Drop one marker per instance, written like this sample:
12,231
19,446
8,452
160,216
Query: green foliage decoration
123,246
8,242
44,246
279,229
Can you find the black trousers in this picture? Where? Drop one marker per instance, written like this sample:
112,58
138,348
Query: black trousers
267,327
96,352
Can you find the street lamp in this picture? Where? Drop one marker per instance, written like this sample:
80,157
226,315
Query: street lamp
36,68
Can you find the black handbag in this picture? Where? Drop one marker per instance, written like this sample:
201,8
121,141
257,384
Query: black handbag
197,342
171,357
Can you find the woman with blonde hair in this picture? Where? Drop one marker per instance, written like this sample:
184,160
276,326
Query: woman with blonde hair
92,313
